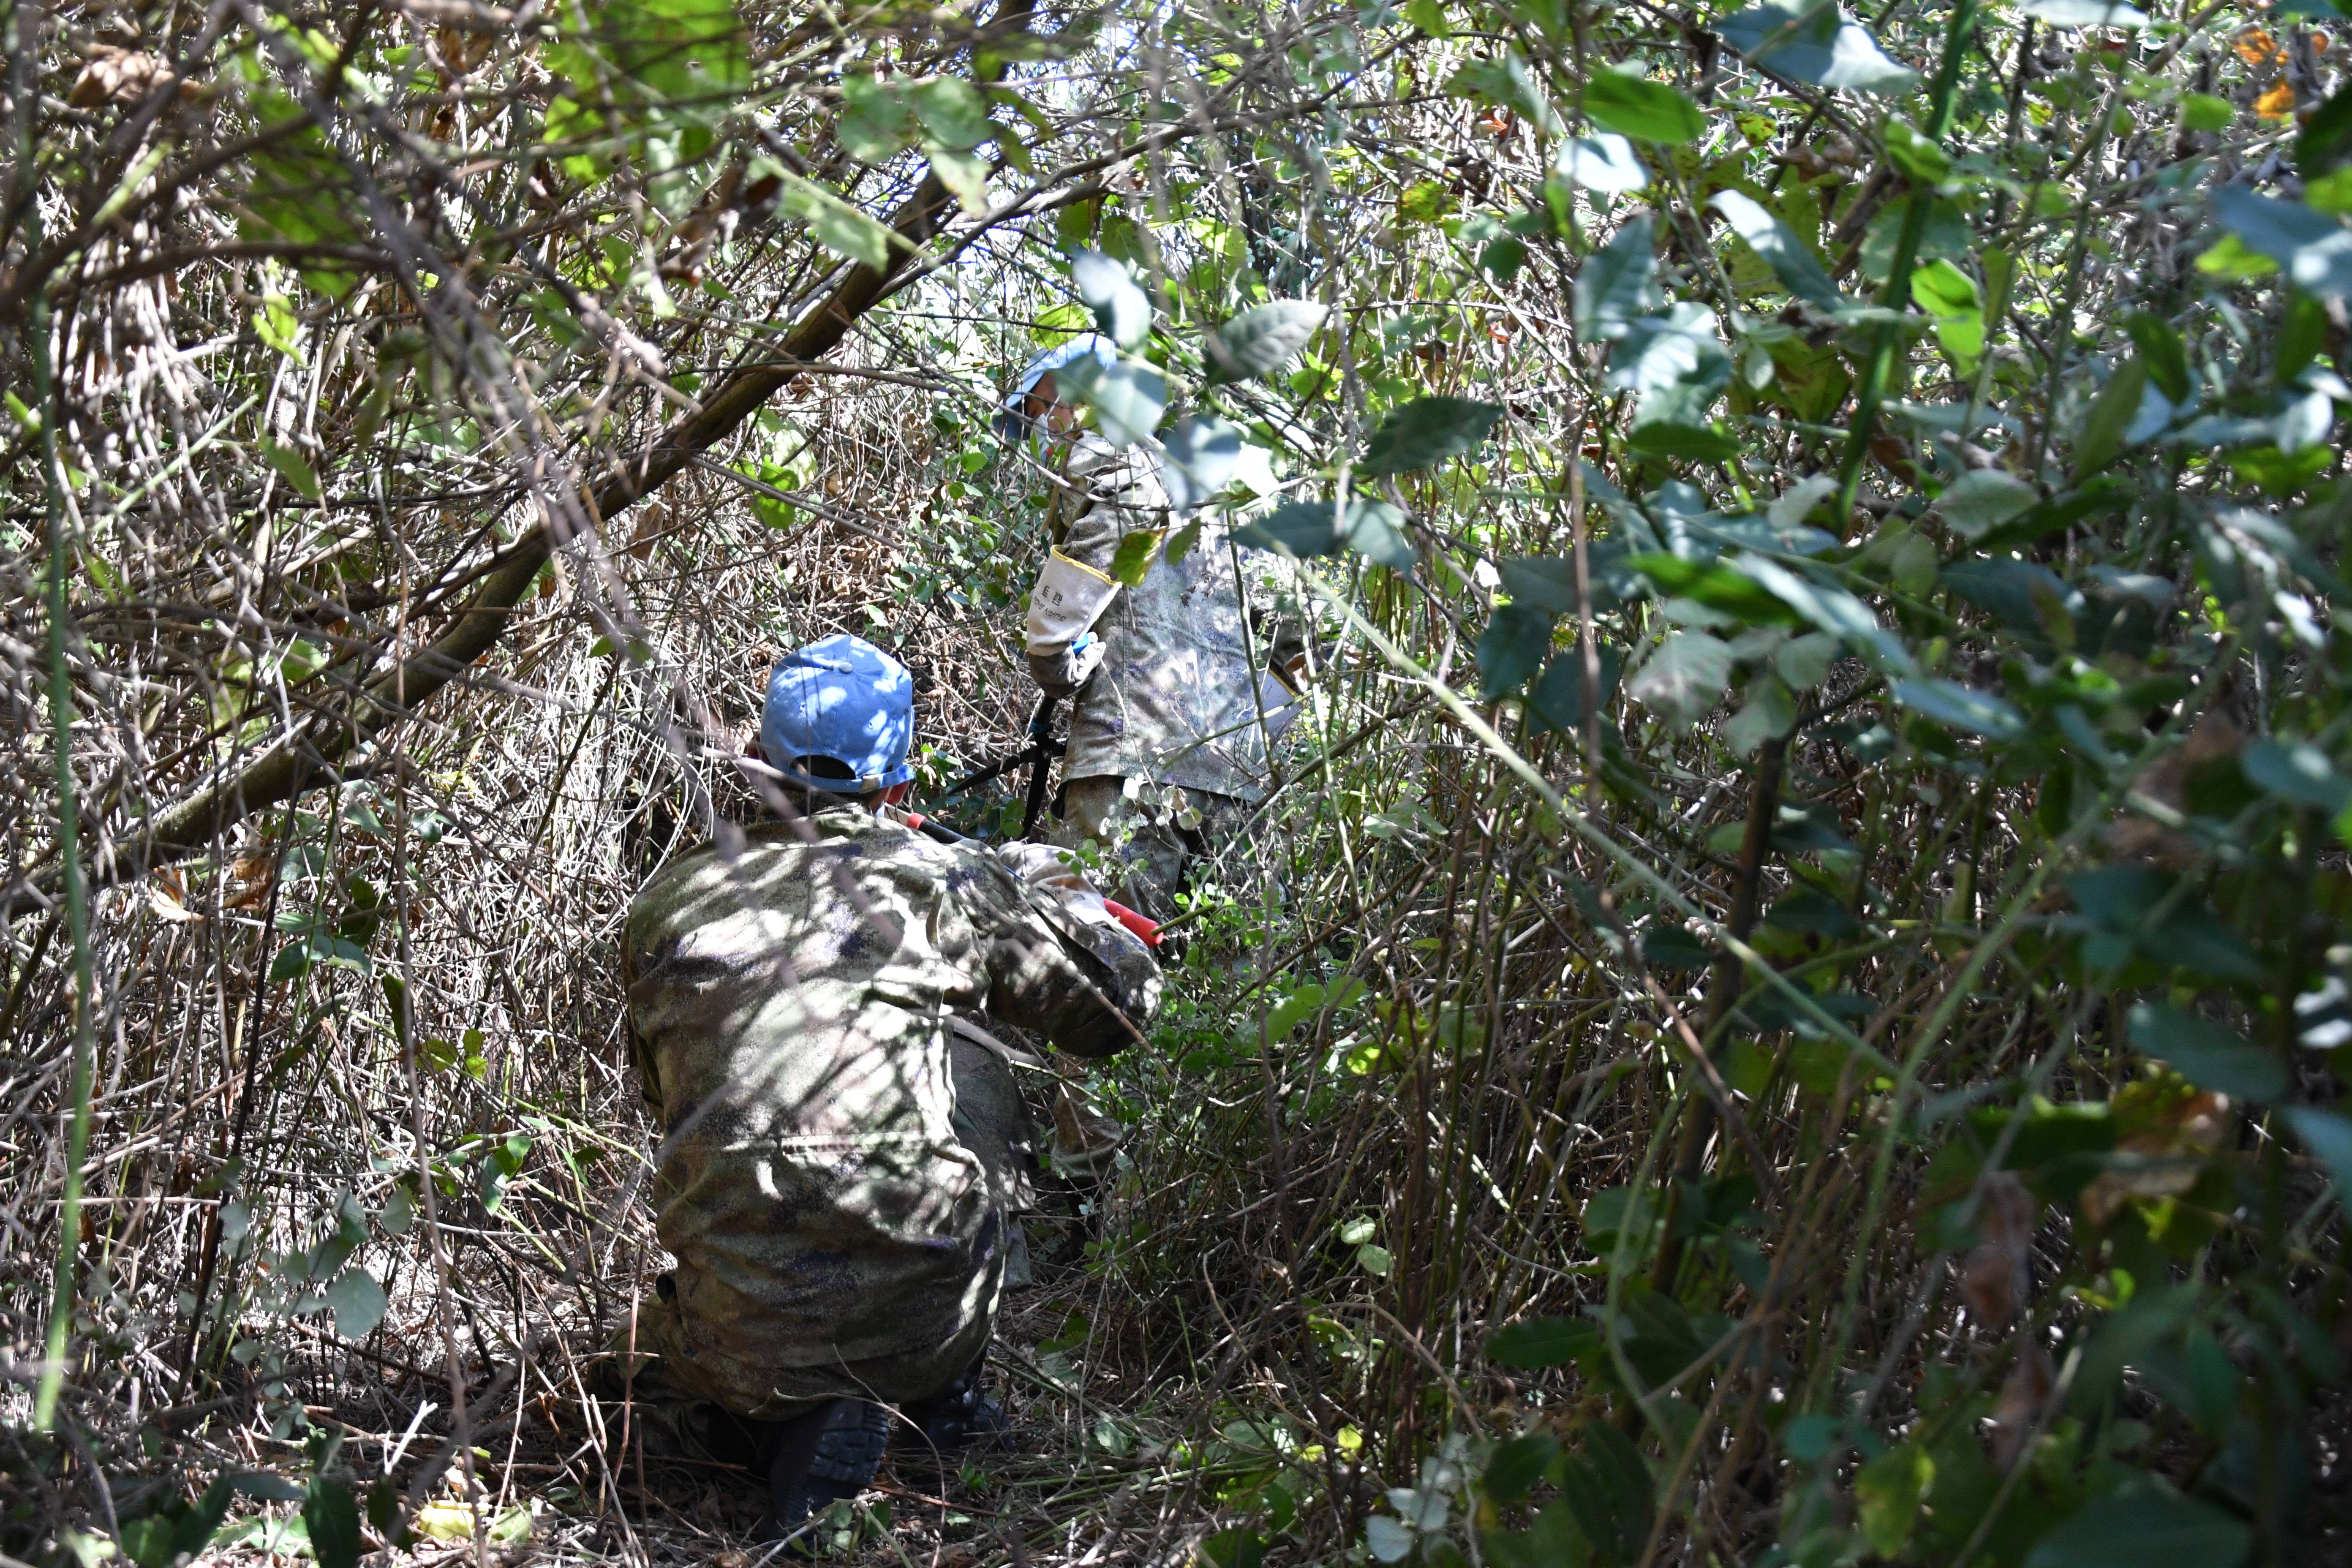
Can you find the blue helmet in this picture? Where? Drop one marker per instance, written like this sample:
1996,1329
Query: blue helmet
845,699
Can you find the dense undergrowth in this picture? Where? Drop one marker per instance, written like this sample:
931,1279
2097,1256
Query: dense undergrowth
1787,1003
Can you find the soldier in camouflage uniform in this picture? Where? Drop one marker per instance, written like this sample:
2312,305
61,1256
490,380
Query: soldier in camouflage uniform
833,1175
1169,691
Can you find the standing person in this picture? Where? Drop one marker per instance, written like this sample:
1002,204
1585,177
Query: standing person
835,1176
1172,709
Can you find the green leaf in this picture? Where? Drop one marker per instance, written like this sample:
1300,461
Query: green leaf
2102,436
1425,202
1519,1462
1428,15
2298,772
1302,529
1204,455
1684,677
1644,109
293,962
1542,581
291,466
1606,163
1888,1492
1609,1491
1950,299
1618,284
1507,84
952,111
1127,397
1376,531
357,1302
1817,46
277,324
1542,1341
838,227
152,1543
1976,503
965,173
1830,608
1426,432
2205,1053
2329,1135
1557,700
1133,557
2145,1530
332,1517
2203,111
2231,261
2325,139
1716,585
1687,442
876,124
1800,272
2161,350
1513,646
1120,307
1262,339
1922,161
2314,249
1959,707
1238,1546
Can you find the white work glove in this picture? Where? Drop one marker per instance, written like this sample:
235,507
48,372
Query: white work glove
1282,705
1069,597
1043,867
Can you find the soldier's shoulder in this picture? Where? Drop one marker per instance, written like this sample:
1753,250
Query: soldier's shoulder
691,884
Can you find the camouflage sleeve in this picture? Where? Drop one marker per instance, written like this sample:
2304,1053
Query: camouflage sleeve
1087,988
1123,493
648,1080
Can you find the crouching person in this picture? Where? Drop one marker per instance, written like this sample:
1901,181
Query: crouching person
831,1176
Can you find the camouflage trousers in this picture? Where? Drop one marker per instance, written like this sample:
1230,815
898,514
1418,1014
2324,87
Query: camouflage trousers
1151,840
686,1413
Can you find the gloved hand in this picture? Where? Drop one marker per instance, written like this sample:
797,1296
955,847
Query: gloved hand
1060,672
1043,865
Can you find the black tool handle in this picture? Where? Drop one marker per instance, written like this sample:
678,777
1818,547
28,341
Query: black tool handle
1041,756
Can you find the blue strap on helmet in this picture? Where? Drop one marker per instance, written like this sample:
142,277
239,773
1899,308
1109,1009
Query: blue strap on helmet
845,699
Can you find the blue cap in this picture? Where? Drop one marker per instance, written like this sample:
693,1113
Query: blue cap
847,699
1012,424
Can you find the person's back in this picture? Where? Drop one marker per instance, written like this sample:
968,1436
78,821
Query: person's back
839,1220
790,1010
1177,698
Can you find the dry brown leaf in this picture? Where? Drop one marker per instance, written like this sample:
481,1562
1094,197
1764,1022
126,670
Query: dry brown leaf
115,76
250,878
2022,1394
1997,1279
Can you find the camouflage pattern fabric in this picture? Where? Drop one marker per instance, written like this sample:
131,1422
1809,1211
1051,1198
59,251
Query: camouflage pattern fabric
1176,698
789,1012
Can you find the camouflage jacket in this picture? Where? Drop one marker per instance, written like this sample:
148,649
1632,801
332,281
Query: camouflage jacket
788,1014
1176,700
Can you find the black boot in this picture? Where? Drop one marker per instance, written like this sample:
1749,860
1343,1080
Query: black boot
832,1452
958,1416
